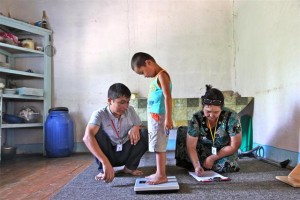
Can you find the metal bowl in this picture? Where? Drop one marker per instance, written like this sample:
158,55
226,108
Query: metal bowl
8,152
29,113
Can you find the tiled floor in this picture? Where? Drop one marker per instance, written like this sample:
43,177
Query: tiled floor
38,177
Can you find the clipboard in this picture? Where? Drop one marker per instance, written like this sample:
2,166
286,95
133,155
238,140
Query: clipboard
209,176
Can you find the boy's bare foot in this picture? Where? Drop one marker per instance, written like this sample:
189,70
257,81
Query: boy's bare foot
152,176
157,180
99,176
132,172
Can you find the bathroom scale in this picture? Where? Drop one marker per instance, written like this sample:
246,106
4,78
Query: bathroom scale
142,187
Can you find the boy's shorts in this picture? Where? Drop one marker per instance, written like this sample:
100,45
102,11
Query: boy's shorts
158,138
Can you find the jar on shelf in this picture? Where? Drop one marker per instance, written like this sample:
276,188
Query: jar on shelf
28,43
2,86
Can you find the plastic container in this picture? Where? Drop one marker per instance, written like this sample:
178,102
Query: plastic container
30,91
59,133
8,152
27,43
12,119
10,91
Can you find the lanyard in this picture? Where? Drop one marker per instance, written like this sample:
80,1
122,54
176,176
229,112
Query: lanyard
213,136
114,127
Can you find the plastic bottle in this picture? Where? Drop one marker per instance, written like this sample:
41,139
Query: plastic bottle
44,20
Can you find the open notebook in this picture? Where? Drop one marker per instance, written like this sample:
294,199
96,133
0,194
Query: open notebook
209,176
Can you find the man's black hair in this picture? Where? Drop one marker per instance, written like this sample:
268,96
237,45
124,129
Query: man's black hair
118,90
138,59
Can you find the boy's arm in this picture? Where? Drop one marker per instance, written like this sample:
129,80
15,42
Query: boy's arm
164,80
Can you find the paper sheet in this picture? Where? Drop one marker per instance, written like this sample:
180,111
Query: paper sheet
208,176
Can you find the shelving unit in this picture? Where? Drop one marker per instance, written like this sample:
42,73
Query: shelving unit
40,77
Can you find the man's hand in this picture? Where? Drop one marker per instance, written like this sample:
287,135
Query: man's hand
134,135
108,173
91,143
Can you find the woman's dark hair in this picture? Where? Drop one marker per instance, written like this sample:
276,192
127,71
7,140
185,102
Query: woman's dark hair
212,96
118,90
139,59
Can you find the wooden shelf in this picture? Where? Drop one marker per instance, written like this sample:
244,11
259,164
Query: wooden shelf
19,50
13,55
21,97
20,73
24,125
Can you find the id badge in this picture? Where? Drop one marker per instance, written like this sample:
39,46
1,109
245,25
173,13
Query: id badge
214,150
119,147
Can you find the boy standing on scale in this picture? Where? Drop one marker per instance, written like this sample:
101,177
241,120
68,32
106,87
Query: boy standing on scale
159,108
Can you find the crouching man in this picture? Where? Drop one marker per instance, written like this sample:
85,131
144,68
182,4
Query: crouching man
114,137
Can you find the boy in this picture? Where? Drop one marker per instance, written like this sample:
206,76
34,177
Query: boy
159,111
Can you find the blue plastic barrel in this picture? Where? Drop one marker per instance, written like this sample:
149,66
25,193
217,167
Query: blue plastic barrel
59,133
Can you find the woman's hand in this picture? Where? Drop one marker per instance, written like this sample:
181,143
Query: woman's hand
191,143
199,171
223,152
209,162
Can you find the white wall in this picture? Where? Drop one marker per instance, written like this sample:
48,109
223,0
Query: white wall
268,68
95,40
249,46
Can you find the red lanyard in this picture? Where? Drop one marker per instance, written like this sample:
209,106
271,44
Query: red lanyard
114,127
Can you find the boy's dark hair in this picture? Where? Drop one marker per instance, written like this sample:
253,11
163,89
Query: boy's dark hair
212,96
138,59
118,90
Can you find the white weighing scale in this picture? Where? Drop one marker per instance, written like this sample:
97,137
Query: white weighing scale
142,187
